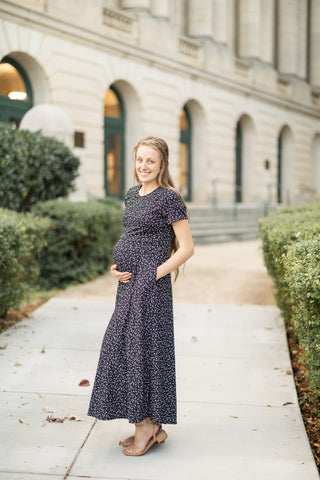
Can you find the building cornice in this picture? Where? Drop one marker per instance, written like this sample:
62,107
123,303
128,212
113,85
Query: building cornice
50,24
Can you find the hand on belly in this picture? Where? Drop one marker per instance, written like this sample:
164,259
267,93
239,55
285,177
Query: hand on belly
123,277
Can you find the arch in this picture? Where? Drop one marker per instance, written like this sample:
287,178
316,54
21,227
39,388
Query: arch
194,137
285,165
244,159
36,75
129,129
16,96
315,165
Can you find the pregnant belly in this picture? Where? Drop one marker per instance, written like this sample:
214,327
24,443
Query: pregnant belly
125,254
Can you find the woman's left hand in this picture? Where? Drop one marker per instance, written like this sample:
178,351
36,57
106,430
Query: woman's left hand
123,277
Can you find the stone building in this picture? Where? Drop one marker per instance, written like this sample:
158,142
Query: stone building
232,85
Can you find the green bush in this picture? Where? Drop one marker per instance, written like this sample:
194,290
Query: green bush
278,232
80,240
33,168
302,273
21,240
291,250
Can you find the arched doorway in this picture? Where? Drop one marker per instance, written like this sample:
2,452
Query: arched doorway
114,148
16,96
185,154
244,160
238,180
284,170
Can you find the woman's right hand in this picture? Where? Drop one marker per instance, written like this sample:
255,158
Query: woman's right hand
123,277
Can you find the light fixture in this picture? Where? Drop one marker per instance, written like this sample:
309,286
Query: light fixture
17,95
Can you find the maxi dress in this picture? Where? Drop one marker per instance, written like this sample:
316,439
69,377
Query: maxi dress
135,375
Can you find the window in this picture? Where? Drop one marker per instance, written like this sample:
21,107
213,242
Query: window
15,92
185,155
114,122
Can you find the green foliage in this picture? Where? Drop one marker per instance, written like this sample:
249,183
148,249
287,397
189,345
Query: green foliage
80,240
278,232
291,250
302,273
21,240
33,168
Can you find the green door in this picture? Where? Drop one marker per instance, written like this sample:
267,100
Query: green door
114,128
279,179
238,180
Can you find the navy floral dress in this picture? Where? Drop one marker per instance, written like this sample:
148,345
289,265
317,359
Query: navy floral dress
135,376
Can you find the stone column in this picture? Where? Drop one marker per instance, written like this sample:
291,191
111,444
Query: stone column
220,21
200,17
315,44
135,4
302,39
267,31
160,8
180,16
287,36
249,29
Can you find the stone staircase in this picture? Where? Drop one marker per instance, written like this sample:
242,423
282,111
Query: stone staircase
224,223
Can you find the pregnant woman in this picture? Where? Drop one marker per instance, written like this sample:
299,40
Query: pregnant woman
135,376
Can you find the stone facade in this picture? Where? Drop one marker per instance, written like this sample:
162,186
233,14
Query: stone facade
247,71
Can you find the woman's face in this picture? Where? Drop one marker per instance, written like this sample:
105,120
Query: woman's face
148,164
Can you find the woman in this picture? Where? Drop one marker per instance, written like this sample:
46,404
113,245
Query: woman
135,376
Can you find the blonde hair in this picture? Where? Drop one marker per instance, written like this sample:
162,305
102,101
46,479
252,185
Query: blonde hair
164,177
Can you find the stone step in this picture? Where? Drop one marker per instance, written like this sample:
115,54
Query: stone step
223,224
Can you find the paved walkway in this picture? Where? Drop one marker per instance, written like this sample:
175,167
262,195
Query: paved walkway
238,411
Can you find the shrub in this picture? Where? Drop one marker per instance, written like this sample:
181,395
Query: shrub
291,250
302,273
33,168
80,240
278,232
21,240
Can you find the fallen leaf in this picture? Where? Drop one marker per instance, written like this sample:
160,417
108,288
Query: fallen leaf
43,425
232,416
287,403
48,410
269,406
18,364
288,372
194,339
55,419
43,350
2,347
254,429
84,383
20,421
75,418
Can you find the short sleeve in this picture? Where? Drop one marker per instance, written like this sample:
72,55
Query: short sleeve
129,194
174,208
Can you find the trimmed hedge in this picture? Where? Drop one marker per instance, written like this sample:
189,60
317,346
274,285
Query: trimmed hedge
278,232
21,239
302,272
33,168
80,240
291,251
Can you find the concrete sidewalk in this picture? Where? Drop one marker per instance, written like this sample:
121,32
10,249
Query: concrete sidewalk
238,411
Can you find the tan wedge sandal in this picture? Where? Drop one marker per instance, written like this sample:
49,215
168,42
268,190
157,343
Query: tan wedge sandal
158,437
129,441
